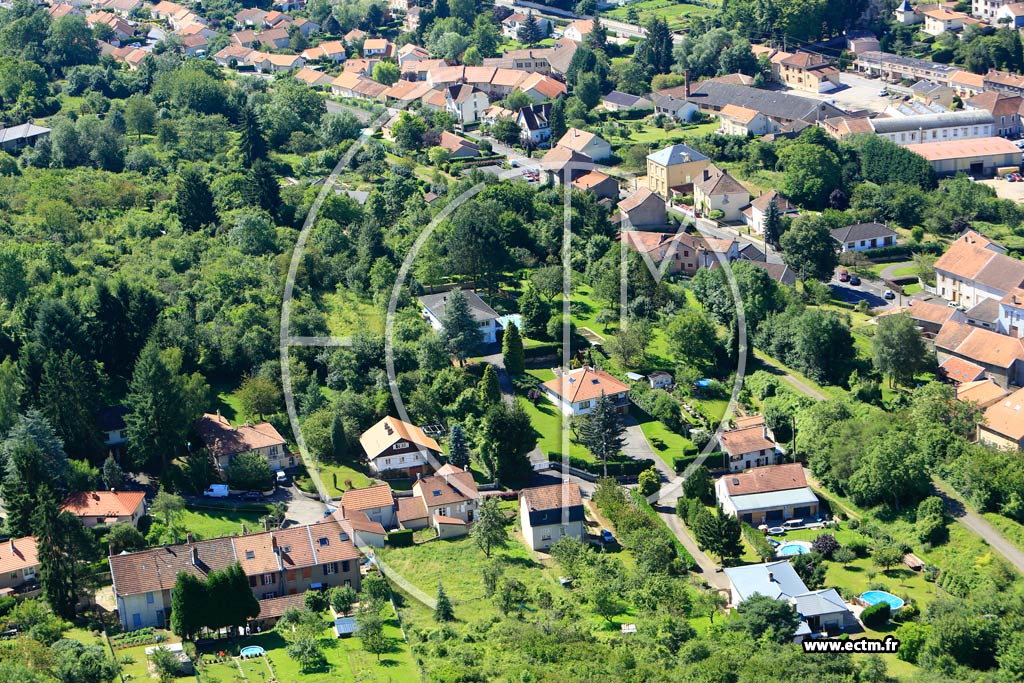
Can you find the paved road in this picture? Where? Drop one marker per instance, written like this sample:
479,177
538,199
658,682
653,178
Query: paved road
978,525
338,108
887,272
638,448
706,566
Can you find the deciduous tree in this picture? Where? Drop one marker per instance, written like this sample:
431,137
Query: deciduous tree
489,529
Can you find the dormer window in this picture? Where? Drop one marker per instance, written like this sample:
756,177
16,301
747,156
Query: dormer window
250,554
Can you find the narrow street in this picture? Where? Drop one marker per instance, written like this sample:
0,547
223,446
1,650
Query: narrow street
978,524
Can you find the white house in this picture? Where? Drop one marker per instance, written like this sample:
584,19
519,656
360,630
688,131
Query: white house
975,268
398,448
967,124
547,514
748,447
533,123
465,103
434,306
716,190
755,214
767,495
576,391
864,236
511,24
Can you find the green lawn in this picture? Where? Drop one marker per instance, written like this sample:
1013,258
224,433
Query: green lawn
676,13
547,424
209,523
335,477
666,443
348,313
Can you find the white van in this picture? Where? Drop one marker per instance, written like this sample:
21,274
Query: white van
216,491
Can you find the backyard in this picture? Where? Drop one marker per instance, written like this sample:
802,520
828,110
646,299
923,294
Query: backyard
675,13
213,522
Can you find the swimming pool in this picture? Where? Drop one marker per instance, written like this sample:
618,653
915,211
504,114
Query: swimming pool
252,651
875,597
790,549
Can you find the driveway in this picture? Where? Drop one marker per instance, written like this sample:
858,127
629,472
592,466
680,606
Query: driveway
979,525
638,448
706,567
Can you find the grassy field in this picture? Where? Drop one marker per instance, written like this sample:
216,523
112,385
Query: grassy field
209,523
547,423
666,443
348,313
335,477
675,13
1012,530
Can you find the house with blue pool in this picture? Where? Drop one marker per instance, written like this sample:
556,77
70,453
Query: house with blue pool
821,611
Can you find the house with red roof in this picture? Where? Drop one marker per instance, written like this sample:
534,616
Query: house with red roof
767,495
94,508
225,442
19,564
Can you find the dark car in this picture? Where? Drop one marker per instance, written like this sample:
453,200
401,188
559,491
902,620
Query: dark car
855,280
606,536
251,495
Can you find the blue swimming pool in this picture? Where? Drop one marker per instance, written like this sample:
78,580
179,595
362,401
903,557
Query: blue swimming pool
875,597
788,549
252,651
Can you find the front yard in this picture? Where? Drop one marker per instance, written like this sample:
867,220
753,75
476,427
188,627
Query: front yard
212,522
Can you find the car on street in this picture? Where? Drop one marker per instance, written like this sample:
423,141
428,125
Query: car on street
844,275
889,294
884,92
607,537
855,280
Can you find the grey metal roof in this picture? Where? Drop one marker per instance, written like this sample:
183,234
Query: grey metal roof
907,62
622,99
436,303
772,579
986,311
676,154
773,499
771,103
24,131
967,117
816,603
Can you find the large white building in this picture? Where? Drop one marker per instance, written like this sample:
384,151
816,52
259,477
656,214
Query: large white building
974,269
954,125
767,495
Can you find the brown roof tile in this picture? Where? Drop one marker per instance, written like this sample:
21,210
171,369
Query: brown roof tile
103,503
553,497
584,384
1006,416
984,392
766,479
745,440
411,508
390,430
18,553
367,498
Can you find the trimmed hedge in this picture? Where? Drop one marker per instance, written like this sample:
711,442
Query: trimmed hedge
618,468
760,544
541,350
877,615
905,250
400,538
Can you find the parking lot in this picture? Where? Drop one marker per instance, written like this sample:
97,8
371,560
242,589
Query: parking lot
1005,189
856,93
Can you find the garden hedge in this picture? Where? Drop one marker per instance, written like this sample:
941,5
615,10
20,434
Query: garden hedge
400,538
877,615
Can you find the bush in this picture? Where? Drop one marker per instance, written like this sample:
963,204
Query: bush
400,538
315,601
909,612
757,540
825,544
905,250
858,546
843,555
876,616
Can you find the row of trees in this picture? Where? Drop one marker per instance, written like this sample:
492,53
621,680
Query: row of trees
223,599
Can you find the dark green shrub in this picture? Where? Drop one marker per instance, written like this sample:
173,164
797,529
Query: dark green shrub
400,538
876,616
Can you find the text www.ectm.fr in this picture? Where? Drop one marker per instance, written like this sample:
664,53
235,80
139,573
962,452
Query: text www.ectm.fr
881,646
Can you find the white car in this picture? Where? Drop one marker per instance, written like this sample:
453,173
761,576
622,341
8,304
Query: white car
884,92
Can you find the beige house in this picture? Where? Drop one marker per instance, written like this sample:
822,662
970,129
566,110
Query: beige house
974,269
938,21
642,210
736,120
376,502
225,442
767,495
465,103
447,500
676,166
398,448
601,185
1004,423
547,514
716,190
576,391
685,253
19,563
587,143
107,507
810,72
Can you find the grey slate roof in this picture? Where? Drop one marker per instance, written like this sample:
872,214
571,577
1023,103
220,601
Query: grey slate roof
771,103
772,579
899,124
986,311
535,117
25,131
816,603
436,303
862,231
676,154
622,99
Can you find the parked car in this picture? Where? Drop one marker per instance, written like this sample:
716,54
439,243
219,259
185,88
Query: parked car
1018,177
889,294
793,523
844,275
855,280
282,478
884,92
216,491
607,537
251,495
1010,178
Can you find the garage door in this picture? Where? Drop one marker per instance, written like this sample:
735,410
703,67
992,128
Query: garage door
801,512
774,515
748,518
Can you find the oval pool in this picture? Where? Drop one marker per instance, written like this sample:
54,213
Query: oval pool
252,651
789,549
875,597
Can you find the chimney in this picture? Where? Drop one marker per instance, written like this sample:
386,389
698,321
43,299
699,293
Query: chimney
110,549
188,537
686,82
771,577
244,530
13,549
218,414
273,539
266,526
195,556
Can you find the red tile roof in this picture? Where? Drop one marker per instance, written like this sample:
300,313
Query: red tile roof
18,553
103,503
367,498
766,479
584,384
745,440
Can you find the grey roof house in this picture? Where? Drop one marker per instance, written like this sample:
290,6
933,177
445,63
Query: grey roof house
864,236
820,611
16,137
434,306
712,96
621,101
